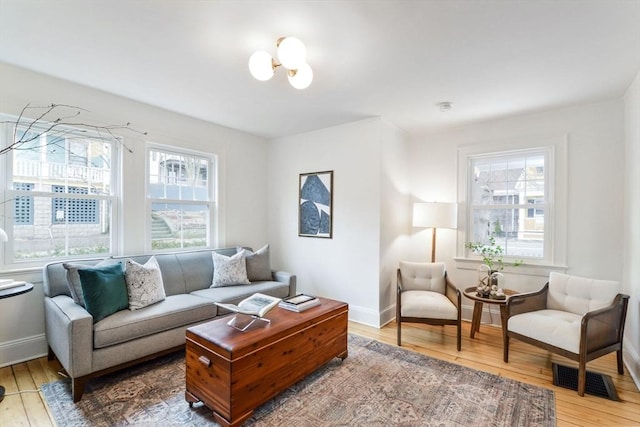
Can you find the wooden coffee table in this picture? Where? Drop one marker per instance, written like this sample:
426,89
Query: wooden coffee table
479,301
233,372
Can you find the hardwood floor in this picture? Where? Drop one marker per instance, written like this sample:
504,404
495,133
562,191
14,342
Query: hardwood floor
527,364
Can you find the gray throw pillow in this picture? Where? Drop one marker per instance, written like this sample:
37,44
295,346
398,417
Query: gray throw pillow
258,264
229,270
73,278
144,283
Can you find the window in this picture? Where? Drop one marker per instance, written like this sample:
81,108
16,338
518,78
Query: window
507,194
74,211
23,205
516,191
60,187
181,198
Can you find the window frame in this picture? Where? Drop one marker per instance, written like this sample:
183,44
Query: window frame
7,258
556,180
213,226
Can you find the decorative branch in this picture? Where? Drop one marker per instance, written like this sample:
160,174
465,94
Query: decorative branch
59,127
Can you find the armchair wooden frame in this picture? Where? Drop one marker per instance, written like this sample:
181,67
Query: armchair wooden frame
451,292
601,331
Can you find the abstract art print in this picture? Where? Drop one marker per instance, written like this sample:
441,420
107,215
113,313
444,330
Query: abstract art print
315,204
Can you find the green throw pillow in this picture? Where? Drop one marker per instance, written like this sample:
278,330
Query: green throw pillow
104,290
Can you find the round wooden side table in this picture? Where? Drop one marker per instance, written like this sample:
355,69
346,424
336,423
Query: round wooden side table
8,293
472,294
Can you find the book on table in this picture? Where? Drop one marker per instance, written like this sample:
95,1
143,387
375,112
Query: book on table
300,302
10,283
256,305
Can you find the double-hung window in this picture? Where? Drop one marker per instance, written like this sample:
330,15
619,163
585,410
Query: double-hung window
516,193
60,194
508,200
181,198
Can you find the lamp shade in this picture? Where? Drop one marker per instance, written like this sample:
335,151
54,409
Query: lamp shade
302,78
291,53
3,236
261,65
435,215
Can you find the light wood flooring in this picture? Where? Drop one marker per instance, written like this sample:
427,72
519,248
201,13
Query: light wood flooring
25,406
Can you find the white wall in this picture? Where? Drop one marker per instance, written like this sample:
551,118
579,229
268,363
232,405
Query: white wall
243,188
348,266
631,273
395,215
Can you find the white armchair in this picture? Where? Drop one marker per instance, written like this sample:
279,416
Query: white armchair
425,295
576,317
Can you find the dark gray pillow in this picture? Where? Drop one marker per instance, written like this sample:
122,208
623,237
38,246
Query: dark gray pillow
258,264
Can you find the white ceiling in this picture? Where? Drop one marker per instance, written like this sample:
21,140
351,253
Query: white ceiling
391,58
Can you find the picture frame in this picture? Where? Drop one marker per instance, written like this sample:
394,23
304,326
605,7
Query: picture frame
315,204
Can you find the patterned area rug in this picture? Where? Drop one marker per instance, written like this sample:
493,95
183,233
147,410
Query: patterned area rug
377,385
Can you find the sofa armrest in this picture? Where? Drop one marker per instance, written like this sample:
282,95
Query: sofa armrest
453,293
604,327
69,329
524,303
285,277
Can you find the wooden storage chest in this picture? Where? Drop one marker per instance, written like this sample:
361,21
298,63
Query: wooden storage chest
233,372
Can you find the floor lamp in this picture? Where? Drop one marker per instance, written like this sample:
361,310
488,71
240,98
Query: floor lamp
435,215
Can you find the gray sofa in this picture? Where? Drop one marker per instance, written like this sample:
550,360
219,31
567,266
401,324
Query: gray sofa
86,349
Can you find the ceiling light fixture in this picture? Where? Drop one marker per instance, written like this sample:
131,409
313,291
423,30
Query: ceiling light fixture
292,55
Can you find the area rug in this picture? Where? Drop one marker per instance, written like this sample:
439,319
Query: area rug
377,385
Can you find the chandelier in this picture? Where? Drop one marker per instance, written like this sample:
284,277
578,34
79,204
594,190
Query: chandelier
292,55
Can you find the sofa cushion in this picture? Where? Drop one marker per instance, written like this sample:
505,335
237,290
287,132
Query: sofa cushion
427,304
144,283
229,271
555,327
104,290
580,295
419,276
73,279
173,312
258,264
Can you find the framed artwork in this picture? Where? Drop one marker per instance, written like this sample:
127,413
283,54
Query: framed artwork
315,204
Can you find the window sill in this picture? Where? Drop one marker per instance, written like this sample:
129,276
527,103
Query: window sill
528,269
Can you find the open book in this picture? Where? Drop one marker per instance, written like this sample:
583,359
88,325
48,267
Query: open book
256,305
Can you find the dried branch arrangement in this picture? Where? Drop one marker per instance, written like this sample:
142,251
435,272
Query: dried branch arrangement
59,121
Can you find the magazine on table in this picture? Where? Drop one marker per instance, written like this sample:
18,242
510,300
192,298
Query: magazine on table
10,283
300,302
256,305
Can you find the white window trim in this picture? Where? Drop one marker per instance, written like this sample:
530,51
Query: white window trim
7,263
213,231
556,246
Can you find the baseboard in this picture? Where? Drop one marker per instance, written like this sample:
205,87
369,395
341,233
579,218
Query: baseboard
490,314
631,360
21,350
364,315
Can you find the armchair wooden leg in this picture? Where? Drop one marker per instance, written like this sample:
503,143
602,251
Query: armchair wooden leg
620,363
505,346
582,377
398,327
459,338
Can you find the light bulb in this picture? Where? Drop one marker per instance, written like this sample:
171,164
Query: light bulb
302,77
261,65
291,53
